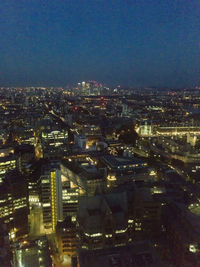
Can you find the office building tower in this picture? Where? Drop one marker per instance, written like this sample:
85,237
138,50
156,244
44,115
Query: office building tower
14,204
51,196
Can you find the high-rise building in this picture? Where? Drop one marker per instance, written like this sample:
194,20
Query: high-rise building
14,204
54,143
51,196
8,161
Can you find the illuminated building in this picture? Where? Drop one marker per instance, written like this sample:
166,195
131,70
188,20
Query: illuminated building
87,136
177,147
90,88
83,175
123,164
51,196
56,198
91,131
62,186
145,129
121,168
14,204
66,236
27,136
7,161
177,130
54,143
70,194
93,135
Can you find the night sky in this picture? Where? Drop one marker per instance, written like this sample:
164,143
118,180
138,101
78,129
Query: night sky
126,42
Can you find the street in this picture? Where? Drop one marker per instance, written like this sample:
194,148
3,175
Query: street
28,256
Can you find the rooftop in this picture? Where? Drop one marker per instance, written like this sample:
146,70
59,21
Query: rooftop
137,255
121,161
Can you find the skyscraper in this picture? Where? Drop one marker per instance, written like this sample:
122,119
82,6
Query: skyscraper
51,196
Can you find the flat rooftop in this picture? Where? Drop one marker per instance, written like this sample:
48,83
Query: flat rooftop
122,161
139,254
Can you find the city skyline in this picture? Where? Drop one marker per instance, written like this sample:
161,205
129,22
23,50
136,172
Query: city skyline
99,133
131,43
95,176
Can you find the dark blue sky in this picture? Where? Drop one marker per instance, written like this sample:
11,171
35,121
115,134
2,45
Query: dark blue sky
127,42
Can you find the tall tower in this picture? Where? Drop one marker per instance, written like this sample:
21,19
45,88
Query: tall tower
56,198
51,197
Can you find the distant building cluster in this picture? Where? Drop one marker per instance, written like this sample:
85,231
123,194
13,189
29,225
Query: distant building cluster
95,176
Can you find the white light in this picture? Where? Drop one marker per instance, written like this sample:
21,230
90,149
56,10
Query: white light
121,231
93,235
192,248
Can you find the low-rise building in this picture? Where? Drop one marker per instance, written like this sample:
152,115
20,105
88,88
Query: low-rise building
66,236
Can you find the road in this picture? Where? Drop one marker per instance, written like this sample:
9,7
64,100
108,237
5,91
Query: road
30,257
